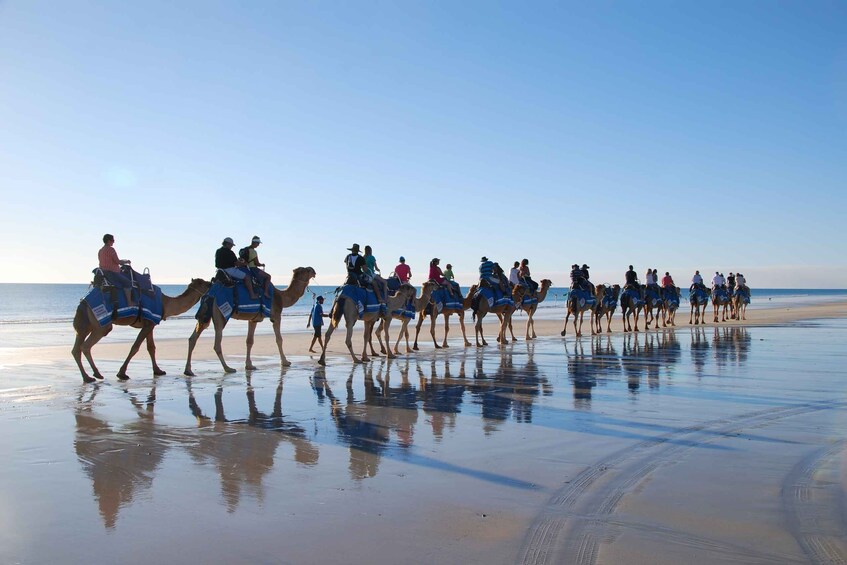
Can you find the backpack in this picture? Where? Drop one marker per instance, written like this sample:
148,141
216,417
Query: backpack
244,253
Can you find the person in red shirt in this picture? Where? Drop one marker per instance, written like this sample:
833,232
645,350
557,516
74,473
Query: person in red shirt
667,281
111,266
436,275
403,271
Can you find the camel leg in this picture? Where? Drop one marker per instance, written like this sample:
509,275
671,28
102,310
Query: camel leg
404,331
568,315
609,323
406,334
637,314
432,328
89,343
349,342
251,339
76,352
151,351
418,328
384,326
278,337
379,331
218,347
366,335
528,325
330,328
462,325
146,330
192,342
446,329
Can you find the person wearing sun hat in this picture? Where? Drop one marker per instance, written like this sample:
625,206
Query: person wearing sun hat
253,264
355,264
228,262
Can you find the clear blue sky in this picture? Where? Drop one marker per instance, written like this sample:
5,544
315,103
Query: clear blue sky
675,135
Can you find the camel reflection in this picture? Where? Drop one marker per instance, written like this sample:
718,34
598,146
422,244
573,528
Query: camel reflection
731,345
700,347
442,396
244,459
584,371
120,459
509,389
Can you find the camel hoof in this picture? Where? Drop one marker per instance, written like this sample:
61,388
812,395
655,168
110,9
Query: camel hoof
229,370
321,361
415,347
250,367
444,345
87,379
122,377
358,361
468,344
159,372
564,333
437,346
188,373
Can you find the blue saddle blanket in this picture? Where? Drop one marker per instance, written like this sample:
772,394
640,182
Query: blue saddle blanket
442,299
634,296
609,301
698,295
671,298
652,296
407,311
720,294
236,299
495,297
530,298
107,306
364,298
582,297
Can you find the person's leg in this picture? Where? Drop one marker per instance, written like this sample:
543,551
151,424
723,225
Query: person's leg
121,281
241,275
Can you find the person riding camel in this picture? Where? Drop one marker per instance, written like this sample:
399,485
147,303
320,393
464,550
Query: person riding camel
717,281
696,282
436,275
356,265
514,277
229,263
378,283
588,284
730,283
111,266
486,274
525,277
667,281
501,277
252,260
631,278
403,271
577,278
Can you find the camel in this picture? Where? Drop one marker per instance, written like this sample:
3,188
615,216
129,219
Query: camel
578,312
604,308
531,308
89,332
300,278
631,305
720,303
347,309
740,302
419,303
503,312
653,299
446,312
670,307
699,299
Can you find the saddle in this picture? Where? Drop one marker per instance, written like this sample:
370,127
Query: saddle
226,280
141,282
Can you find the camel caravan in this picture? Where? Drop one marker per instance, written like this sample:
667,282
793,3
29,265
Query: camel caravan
242,290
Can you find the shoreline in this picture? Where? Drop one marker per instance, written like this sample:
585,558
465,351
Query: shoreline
296,344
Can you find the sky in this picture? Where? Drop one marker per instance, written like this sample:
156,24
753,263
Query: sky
674,135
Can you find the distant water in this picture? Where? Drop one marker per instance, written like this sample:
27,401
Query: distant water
41,314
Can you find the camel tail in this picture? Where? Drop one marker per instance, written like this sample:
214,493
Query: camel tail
337,311
81,319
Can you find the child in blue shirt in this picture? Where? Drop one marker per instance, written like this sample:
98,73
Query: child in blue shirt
316,321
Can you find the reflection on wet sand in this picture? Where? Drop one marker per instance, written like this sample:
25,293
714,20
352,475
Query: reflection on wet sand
120,460
372,409
243,459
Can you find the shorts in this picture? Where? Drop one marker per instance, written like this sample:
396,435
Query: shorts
317,331
236,273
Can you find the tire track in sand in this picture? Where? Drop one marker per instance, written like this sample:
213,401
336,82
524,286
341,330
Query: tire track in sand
577,516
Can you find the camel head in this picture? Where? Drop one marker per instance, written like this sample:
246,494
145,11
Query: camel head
200,285
406,290
303,274
546,283
429,287
616,290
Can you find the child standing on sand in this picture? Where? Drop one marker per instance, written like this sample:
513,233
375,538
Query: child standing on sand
316,321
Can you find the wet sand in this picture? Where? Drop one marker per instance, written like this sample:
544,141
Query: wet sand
708,445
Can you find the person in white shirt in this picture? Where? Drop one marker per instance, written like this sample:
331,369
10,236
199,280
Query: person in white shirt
717,280
696,280
514,280
649,278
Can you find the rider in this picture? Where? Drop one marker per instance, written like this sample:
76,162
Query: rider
356,265
667,281
403,271
717,281
111,266
377,282
450,278
631,278
741,285
730,283
696,281
226,261
253,264
525,277
436,275
486,273
587,279
514,277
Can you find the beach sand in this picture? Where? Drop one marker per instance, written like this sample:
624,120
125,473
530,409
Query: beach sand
715,444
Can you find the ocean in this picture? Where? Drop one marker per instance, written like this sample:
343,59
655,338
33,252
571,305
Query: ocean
37,315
